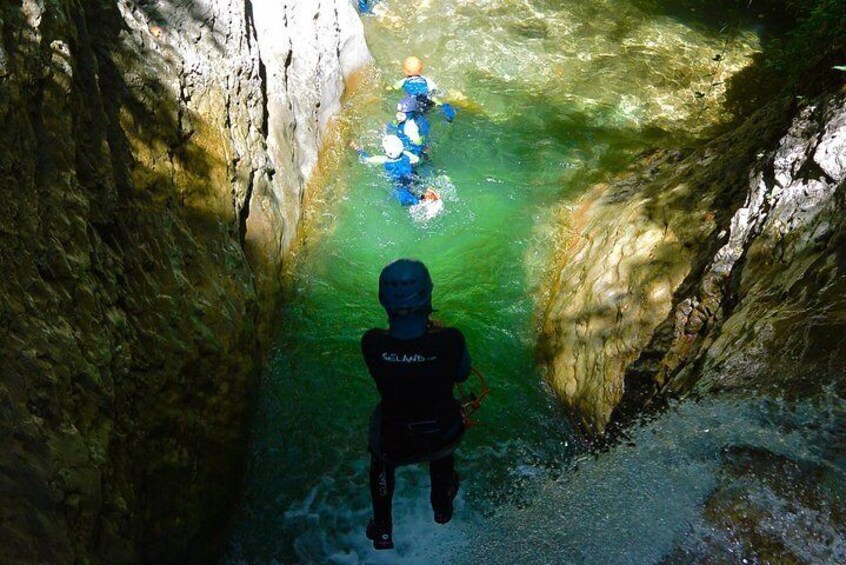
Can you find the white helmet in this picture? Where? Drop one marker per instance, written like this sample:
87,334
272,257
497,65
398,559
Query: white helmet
392,145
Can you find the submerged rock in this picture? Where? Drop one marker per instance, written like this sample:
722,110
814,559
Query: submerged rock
769,508
153,158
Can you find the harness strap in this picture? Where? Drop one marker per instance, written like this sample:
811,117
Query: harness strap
471,402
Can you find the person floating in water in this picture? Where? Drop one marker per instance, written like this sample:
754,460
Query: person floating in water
415,365
411,126
399,167
366,6
422,88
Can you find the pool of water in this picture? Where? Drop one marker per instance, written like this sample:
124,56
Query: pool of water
552,95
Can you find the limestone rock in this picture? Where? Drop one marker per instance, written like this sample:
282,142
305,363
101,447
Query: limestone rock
779,324
149,149
723,269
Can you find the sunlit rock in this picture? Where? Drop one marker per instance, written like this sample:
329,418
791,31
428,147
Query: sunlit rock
714,296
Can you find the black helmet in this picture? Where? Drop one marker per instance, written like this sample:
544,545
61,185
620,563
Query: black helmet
405,287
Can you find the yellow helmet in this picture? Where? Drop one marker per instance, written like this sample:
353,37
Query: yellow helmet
412,66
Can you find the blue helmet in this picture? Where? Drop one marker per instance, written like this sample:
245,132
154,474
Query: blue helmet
408,105
405,287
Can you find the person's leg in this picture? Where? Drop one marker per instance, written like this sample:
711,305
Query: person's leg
381,493
405,196
444,487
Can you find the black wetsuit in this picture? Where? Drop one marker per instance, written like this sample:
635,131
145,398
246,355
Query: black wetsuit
418,419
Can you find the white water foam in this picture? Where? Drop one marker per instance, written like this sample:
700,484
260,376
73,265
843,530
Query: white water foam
428,210
334,525
639,501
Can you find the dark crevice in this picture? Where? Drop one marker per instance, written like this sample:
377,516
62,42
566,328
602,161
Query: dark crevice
811,171
288,62
262,69
337,34
248,22
319,68
265,111
289,59
244,212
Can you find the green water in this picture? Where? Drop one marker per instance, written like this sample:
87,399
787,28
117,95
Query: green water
556,95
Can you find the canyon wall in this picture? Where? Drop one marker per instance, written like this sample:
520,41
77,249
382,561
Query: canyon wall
718,268
153,157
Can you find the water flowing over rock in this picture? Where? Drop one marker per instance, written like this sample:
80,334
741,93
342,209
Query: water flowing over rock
717,268
154,155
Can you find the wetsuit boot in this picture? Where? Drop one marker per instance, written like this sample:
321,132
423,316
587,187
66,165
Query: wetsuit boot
380,534
380,527
442,502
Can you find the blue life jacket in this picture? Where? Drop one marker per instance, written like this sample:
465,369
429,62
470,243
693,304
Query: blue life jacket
399,170
399,131
422,124
416,86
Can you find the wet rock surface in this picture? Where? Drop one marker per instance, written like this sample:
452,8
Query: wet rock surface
716,268
769,508
153,158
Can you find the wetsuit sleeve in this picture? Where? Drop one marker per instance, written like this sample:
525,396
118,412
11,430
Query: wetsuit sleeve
433,95
367,347
374,159
465,365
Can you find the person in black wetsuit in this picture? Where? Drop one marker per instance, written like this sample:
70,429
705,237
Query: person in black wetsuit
415,365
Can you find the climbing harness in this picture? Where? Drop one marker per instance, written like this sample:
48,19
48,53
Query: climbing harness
470,401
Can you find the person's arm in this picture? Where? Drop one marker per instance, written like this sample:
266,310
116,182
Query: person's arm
434,96
397,85
412,157
365,157
465,365
433,93
374,159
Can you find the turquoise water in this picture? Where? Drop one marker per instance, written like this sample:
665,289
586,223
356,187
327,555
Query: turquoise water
309,463
552,95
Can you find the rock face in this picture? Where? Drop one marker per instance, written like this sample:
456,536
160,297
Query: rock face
153,157
722,267
770,509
